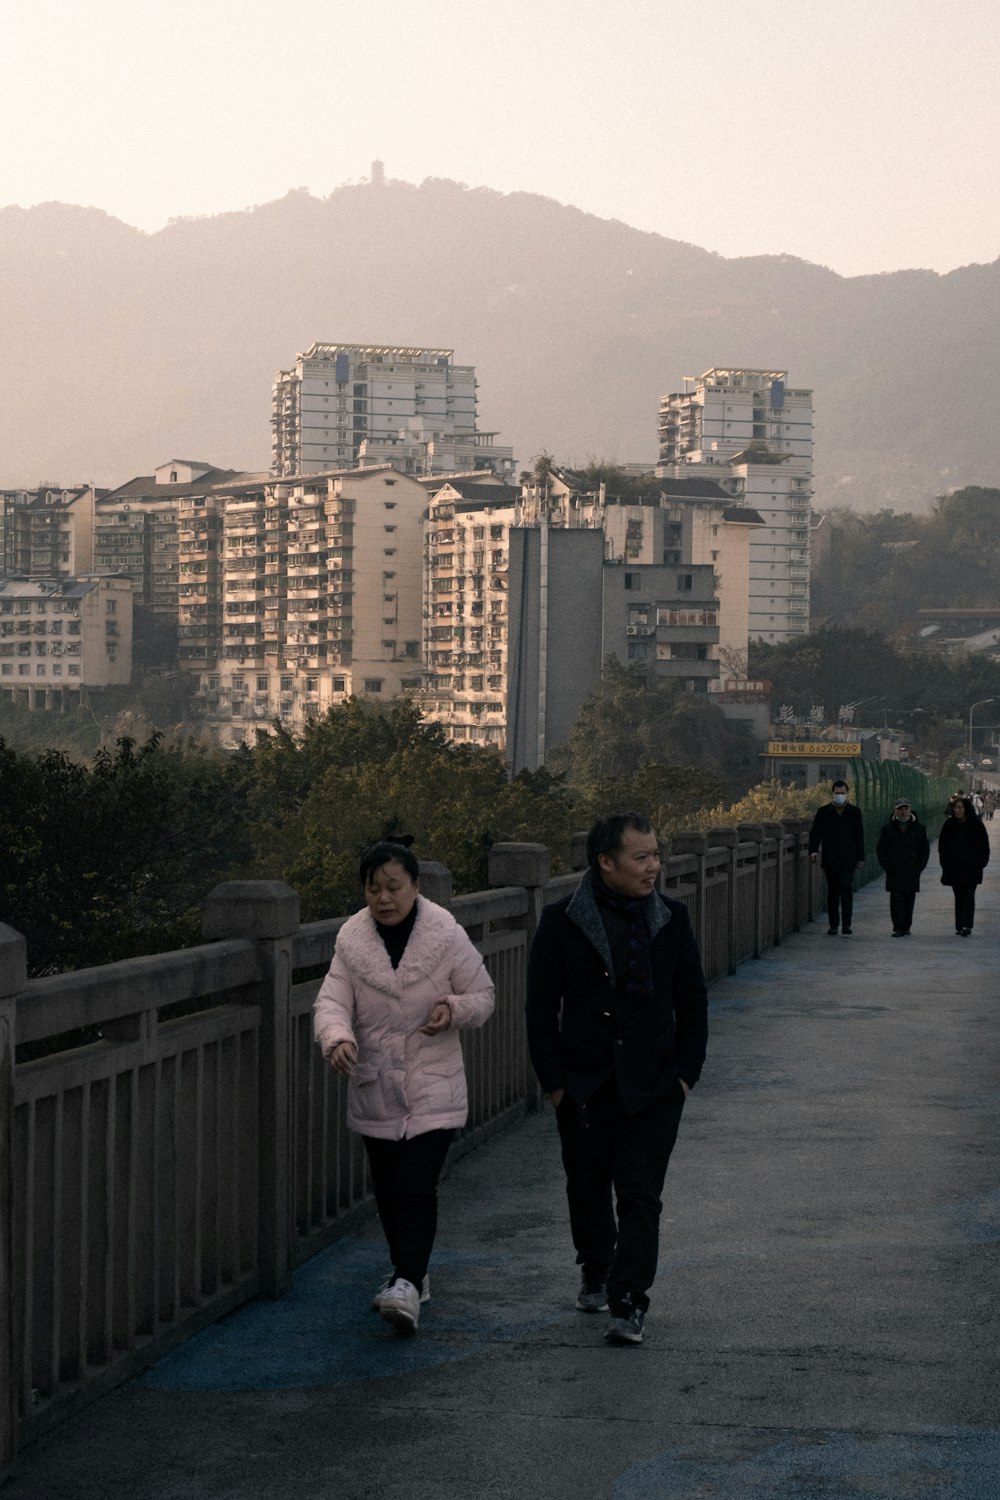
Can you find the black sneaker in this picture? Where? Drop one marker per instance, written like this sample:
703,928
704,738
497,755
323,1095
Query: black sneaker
625,1325
831,932
847,932
593,1296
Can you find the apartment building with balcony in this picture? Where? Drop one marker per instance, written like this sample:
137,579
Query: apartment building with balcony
750,432
47,532
137,528
318,591
347,405
62,637
525,598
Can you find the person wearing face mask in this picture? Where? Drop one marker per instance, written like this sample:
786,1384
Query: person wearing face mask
405,979
839,832
903,851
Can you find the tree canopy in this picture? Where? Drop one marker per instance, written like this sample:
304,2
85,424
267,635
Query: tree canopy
881,569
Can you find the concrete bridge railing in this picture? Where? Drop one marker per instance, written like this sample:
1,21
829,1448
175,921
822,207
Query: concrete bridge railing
171,1143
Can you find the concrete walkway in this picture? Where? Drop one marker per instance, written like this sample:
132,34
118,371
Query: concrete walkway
825,1323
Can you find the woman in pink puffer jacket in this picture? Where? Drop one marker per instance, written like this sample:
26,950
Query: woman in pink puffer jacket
404,978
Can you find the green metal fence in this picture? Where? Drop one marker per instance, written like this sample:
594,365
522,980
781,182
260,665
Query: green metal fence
878,785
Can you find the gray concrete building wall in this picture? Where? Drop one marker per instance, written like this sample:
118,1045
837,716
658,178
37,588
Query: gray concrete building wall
555,636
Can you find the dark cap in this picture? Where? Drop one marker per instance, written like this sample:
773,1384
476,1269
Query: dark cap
903,802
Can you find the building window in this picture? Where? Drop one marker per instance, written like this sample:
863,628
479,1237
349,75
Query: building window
638,650
239,683
633,580
286,684
112,606
339,684
373,684
684,583
262,684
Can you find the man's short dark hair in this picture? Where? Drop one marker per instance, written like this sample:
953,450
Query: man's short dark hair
834,785
606,835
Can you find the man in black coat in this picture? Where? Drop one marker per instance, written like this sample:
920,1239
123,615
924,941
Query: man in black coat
617,1014
839,830
903,851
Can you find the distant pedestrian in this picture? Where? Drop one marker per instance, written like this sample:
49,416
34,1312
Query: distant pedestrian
405,978
989,806
617,1014
839,831
964,852
903,851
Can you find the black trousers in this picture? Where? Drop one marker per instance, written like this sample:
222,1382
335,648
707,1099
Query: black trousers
606,1149
901,909
839,896
405,1177
965,907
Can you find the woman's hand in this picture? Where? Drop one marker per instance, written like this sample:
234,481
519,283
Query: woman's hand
439,1020
343,1057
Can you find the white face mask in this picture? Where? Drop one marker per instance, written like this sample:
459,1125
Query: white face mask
840,798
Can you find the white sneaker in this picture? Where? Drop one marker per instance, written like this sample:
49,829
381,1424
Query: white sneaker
401,1306
425,1291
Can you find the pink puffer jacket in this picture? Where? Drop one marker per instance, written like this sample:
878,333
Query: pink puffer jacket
403,1083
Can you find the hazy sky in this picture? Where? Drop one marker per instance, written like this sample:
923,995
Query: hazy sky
863,134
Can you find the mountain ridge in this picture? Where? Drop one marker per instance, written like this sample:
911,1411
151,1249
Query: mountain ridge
120,345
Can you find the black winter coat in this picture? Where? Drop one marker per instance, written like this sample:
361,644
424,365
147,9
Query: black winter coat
841,833
964,851
903,850
581,1028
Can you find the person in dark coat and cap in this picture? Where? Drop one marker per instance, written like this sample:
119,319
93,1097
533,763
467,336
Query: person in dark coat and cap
964,852
617,1013
903,850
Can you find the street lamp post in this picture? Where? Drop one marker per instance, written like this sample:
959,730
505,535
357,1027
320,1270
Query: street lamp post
978,704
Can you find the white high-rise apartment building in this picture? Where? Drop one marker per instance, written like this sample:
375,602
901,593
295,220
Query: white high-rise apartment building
752,433
347,405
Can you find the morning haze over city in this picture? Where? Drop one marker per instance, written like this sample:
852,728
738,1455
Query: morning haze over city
499,506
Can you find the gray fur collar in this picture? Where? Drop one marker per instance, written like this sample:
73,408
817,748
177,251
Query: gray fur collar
364,952
583,911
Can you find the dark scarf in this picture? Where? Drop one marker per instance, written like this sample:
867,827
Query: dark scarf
634,978
397,936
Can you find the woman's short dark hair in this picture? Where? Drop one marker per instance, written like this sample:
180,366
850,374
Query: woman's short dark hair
380,854
606,835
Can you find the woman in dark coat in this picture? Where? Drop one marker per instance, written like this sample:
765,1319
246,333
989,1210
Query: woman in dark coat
964,851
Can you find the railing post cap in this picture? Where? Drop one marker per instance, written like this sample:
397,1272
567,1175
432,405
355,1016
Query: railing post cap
797,825
752,833
250,908
436,882
519,864
689,843
13,962
722,838
773,830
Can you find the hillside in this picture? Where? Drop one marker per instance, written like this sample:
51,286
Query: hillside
119,349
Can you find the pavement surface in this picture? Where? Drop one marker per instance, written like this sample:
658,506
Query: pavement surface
825,1325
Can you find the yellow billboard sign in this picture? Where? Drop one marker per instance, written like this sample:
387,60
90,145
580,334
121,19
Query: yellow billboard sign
815,749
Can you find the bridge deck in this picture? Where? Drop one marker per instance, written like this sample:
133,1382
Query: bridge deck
825,1323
